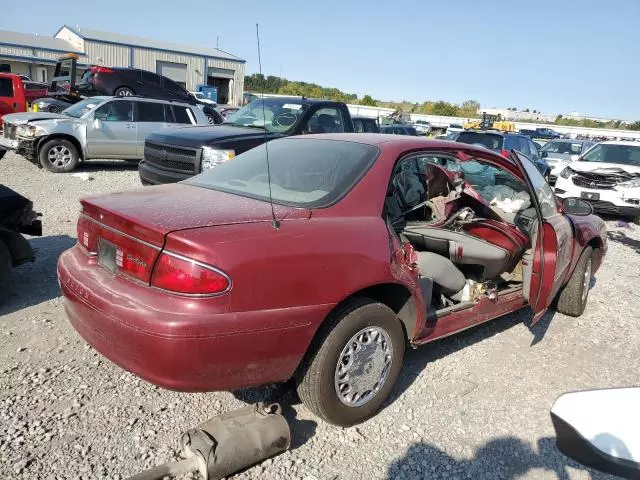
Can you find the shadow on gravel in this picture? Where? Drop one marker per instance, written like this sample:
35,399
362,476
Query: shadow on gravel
503,458
34,283
621,238
114,165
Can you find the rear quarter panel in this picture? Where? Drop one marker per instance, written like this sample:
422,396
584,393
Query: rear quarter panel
589,229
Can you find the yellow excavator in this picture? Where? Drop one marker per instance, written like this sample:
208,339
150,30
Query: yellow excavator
490,122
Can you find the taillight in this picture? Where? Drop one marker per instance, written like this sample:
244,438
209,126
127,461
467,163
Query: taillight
182,275
101,70
88,234
504,153
132,257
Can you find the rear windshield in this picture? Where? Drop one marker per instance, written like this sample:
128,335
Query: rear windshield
611,153
6,87
307,173
488,140
571,148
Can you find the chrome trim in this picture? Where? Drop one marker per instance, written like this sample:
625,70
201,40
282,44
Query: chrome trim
200,264
107,227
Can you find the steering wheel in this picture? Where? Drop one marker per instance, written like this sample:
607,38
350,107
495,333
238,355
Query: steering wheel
285,119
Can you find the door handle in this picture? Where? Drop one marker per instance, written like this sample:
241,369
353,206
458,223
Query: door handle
129,125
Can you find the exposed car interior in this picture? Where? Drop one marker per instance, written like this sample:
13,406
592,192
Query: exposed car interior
470,223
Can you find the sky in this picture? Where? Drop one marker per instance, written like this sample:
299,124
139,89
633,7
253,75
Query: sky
556,56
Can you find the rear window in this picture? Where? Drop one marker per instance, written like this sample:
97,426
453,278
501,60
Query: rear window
488,140
307,173
6,87
563,147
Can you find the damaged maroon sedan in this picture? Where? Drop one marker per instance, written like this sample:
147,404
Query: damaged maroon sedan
319,259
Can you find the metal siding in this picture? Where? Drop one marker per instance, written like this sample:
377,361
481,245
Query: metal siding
238,78
109,55
7,50
147,60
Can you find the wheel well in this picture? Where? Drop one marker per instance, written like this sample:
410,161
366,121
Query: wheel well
397,297
70,138
123,86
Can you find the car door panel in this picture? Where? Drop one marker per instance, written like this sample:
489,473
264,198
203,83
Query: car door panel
113,135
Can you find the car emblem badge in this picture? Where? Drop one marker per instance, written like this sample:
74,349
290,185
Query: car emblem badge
592,184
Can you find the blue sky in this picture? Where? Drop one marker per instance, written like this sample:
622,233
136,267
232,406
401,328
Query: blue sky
554,56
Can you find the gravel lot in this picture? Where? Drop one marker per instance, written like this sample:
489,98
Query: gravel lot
472,406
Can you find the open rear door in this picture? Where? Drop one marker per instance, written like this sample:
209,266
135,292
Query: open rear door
539,265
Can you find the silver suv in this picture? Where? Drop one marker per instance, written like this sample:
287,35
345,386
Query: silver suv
98,127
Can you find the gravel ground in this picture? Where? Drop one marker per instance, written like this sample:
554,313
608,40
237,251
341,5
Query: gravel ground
471,406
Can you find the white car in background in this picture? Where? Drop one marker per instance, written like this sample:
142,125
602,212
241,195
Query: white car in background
202,98
607,176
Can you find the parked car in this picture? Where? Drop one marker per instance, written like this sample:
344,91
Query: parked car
607,176
172,155
503,143
422,127
98,127
17,217
558,153
399,129
365,125
545,133
50,104
202,98
318,258
454,128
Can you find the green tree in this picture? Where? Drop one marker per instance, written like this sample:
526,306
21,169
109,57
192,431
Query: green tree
469,108
445,109
369,101
634,125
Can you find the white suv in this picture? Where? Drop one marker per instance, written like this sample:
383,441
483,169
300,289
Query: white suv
607,176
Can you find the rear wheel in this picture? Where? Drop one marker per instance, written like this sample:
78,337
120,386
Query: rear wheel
124,92
572,300
353,363
59,156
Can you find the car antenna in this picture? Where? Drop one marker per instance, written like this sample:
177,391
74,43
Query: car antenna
274,222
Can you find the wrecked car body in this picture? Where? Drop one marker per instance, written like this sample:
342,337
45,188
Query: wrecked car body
607,176
17,217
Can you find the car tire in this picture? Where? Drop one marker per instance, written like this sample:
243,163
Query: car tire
6,262
123,92
210,118
59,156
572,299
373,328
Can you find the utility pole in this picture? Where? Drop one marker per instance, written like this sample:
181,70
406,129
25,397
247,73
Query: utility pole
217,38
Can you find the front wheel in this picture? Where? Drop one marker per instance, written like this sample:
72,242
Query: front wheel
59,156
353,363
572,299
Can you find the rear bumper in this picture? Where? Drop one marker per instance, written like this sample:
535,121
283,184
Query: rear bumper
182,343
150,174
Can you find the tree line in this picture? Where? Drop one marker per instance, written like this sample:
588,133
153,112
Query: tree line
259,83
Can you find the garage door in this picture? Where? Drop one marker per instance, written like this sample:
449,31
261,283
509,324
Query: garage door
175,71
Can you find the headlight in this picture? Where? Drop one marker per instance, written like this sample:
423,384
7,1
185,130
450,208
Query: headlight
212,157
29,131
566,173
635,183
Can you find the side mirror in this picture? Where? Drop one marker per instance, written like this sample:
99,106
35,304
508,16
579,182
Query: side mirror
606,441
576,206
544,154
574,158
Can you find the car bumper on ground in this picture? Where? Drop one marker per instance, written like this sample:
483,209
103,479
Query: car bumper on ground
611,202
152,175
178,342
8,143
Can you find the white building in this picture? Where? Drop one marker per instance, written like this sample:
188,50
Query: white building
36,56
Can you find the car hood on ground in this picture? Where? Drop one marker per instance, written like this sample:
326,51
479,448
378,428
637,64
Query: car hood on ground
614,169
207,135
21,118
153,212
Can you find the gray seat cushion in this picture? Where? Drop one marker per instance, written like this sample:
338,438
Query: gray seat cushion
442,271
461,248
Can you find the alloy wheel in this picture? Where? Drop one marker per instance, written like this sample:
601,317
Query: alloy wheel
59,156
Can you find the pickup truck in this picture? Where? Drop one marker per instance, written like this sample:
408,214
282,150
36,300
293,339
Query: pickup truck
542,133
172,155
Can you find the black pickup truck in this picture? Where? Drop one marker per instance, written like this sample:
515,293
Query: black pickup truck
172,155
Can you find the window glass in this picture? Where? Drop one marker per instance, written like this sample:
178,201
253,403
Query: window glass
532,148
150,112
304,172
6,87
543,191
149,77
272,114
78,109
358,125
174,90
326,120
487,140
614,153
370,126
399,131
118,111
182,115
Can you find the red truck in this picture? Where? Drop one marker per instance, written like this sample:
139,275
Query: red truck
16,94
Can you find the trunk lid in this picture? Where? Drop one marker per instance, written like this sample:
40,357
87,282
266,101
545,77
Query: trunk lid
150,213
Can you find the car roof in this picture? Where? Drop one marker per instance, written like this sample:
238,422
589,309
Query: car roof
621,142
